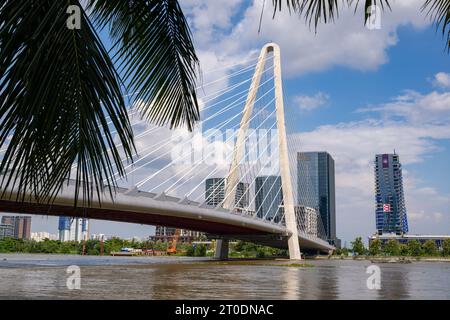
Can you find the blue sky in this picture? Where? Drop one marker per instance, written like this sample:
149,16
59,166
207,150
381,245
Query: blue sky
352,92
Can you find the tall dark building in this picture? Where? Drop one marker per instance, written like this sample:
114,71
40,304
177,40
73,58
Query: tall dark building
268,197
316,188
21,226
390,208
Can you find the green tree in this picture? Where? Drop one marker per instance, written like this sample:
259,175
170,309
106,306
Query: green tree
392,248
430,248
344,251
375,247
200,250
414,248
446,247
403,249
60,85
358,246
190,251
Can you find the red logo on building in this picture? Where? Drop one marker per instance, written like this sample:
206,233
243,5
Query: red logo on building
386,207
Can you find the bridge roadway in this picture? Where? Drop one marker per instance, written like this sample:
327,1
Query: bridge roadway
134,206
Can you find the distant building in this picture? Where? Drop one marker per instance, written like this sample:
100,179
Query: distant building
268,197
316,189
405,238
41,236
307,218
100,237
215,193
73,229
166,234
21,226
6,231
390,208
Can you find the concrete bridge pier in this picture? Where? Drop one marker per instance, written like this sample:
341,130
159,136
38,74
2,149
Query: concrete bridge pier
221,250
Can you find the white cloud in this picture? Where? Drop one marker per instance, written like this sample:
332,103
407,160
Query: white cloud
423,216
442,80
343,43
415,107
308,103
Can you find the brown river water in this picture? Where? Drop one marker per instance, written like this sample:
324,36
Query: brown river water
24,276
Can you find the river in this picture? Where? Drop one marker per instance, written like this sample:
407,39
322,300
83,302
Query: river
31,276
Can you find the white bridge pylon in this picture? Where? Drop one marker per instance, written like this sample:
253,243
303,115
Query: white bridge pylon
238,153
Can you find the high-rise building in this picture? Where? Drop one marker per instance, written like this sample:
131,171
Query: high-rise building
41,236
307,218
268,197
390,208
99,236
215,193
21,226
6,231
73,229
166,234
316,188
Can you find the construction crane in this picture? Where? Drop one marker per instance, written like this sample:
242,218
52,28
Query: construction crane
172,247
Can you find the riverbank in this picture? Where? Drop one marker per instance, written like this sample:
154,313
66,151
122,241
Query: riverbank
384,259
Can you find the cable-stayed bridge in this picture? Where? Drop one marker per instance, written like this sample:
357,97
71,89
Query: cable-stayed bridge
236,176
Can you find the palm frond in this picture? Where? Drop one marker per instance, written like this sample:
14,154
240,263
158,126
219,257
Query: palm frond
154,49
368,4
316,11
439,11
57,88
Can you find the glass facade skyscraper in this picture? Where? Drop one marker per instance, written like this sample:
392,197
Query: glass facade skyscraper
73,229
390,209
316,188
268,197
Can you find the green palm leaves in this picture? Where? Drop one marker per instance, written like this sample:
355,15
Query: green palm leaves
315,11
154,50
60,92
439,10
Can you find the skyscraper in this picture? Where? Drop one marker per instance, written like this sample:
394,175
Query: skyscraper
215,193
73,229
307,219
316,188
268,197
6,231
21,226
390,209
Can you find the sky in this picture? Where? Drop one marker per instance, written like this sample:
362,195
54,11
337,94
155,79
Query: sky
350,91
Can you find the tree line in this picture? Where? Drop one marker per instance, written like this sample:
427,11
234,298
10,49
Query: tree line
239,249
393,248
91,247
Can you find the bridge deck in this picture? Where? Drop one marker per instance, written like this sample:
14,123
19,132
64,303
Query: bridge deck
147,208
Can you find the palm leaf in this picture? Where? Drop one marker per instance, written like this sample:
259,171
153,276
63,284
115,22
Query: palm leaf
314,11
368,4
154,50
439,10
57,88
